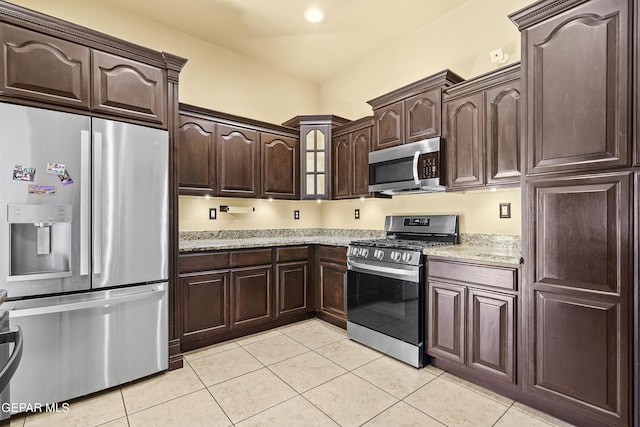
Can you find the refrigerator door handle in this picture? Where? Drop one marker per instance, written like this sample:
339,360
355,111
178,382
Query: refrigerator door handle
85,305
97,203
85,194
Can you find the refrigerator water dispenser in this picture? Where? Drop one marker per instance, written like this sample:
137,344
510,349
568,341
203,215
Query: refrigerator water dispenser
40,241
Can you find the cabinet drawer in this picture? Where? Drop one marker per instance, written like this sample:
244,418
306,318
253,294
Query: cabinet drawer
203,262
333,253
250,257
296,253
484,275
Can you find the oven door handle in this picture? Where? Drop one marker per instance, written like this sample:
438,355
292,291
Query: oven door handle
412,275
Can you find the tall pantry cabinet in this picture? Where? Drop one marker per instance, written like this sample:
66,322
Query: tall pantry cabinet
578,286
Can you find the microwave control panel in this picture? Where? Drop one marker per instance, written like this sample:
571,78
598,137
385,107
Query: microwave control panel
428,166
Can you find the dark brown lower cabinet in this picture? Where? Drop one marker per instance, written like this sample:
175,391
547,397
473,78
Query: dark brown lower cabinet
251,296
332,267
471,317
491,338
206,296
579,295
291,288
446,331
228,294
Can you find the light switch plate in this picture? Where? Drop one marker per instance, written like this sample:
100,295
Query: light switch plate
213,214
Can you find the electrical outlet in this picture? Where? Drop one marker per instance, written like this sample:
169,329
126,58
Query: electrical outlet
296,214
356,213
505,210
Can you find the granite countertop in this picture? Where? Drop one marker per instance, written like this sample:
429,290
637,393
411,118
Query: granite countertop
494,248
200,241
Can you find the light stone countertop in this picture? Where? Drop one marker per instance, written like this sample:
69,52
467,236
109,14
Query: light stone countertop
203,245
504,249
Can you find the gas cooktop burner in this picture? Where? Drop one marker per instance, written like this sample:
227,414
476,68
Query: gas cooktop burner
406,237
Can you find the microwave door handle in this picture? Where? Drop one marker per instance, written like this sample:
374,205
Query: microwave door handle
416,178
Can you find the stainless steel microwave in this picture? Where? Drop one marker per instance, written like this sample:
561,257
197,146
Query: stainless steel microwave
413,167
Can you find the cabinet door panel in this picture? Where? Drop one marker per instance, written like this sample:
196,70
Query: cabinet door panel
464,134
332,289
578,119
251,291
491,345
205,307
196,139
280,166
128,88
238,164
342,166
578,352
389,126
360,147
446,317
581,239
292,295
422,116
42,67
503,134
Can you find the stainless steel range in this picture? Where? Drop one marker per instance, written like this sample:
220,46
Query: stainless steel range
386,284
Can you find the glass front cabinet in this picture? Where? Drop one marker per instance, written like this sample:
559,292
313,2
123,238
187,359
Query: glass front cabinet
315,142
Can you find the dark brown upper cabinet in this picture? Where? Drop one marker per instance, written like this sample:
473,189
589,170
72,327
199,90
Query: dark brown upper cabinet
351,147
129,88
54,63
463,132
315,153
197,158
280,166
482,130
411,113
225,155
42,67
577,76
238,165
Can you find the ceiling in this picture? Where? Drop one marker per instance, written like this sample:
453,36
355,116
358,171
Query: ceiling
275,31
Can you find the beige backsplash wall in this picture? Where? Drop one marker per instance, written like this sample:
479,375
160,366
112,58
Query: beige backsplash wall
478,210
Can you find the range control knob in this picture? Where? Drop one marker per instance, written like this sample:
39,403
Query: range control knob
406,257
363,252
395,256
378,253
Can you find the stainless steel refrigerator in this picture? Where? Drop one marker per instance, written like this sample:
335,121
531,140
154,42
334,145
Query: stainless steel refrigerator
83,250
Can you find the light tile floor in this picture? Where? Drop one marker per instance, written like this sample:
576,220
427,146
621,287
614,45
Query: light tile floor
305,374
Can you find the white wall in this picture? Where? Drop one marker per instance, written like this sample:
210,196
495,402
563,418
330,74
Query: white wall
459,40
478,210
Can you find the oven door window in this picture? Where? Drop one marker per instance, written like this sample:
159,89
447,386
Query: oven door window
386,305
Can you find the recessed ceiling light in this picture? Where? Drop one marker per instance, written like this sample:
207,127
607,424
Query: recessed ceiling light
313,14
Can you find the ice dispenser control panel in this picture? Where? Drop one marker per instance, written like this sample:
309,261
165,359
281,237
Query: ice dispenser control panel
38,214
